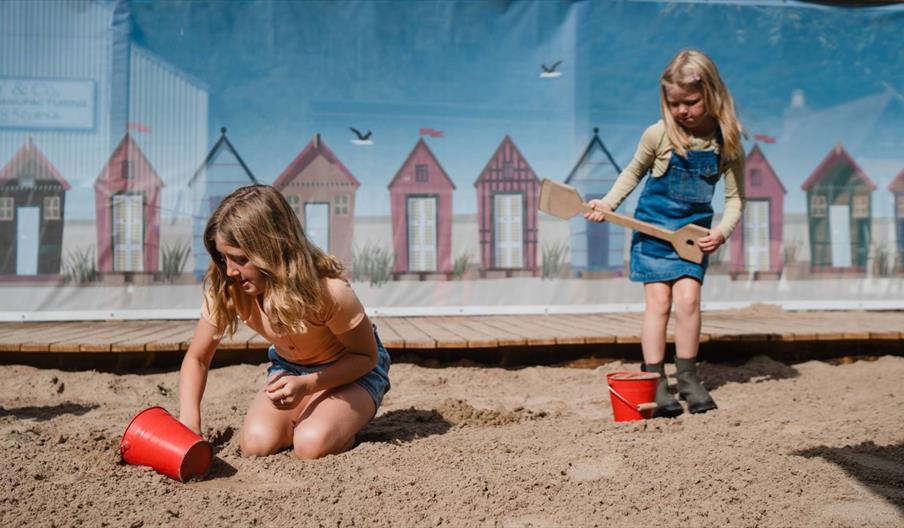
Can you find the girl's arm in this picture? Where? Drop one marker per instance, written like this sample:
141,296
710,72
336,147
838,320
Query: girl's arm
193,374
734,197
359,359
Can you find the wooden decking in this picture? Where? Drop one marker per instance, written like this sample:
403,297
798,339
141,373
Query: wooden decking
543,338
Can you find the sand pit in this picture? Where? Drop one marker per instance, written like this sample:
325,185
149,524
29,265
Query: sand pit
811,444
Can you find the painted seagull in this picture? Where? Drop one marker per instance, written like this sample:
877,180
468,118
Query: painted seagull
362,139
550,72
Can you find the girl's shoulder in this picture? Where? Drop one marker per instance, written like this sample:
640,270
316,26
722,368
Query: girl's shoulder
655,138
337,291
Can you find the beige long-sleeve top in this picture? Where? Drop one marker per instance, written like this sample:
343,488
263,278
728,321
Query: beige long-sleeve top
653,154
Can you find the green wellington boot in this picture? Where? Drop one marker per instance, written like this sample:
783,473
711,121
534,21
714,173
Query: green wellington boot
691,390
666,404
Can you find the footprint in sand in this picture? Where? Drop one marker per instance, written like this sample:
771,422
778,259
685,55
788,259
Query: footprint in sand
594,469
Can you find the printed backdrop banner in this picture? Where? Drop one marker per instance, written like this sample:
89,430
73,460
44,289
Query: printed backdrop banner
411,138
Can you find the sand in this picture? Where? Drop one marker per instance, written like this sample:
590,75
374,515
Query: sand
810,444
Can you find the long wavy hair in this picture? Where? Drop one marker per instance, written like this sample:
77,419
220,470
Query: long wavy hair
692,70
258,220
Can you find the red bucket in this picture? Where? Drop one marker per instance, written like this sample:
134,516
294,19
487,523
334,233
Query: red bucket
633,394
155,438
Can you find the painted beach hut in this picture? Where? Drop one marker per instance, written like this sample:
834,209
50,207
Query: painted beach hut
127,204
839,210
221,173
757,251
32,202
596,248
897,189
321,191
507,194
421,206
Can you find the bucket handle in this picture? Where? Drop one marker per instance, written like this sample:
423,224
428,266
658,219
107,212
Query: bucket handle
638,406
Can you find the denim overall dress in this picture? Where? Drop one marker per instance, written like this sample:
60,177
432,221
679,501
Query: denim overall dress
681,196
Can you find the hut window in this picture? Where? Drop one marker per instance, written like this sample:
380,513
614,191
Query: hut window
7,206
756,177
507,170
295,202
27,180
51,208
126,168
861,206
340,204
818,206
420,173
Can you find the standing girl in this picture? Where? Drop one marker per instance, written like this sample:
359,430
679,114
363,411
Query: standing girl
328,370
696,142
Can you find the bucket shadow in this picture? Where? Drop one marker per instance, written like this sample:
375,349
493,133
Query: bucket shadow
879,468
404,426
43,413
755,370
219,469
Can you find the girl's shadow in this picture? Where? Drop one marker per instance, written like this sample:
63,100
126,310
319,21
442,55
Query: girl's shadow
404,425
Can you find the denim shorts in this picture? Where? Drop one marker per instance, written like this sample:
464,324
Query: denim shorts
375,382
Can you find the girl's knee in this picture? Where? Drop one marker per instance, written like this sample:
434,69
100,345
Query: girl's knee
314,442
257,440
687,304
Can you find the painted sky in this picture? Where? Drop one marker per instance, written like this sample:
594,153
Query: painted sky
279,71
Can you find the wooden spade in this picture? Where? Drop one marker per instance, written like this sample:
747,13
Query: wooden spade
564,202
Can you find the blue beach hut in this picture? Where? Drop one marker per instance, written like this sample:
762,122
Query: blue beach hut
597,249
221,173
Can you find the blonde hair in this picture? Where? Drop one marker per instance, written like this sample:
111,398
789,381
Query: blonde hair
692,70
258,220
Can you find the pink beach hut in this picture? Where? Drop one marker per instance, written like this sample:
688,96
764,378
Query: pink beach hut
756,247
421,204
127,201
507,194
321,191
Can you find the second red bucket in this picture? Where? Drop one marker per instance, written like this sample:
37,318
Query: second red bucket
155,438
633,394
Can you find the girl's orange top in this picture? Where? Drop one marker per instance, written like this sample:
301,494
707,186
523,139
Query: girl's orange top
315,345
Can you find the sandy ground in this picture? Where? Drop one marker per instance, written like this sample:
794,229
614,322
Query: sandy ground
811,444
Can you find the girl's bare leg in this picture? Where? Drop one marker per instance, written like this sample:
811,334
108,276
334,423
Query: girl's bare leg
686,292
267,429
331,420
658,305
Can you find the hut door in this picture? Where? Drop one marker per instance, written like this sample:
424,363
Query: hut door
128,232
422,234
509,232
756,235
28,230
840,230
317,223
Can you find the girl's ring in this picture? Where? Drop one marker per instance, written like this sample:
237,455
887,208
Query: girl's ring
282,401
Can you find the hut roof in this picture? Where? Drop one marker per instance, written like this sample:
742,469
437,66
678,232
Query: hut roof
219,146
756,151
316,147
30,156
421,145
836,155
594,142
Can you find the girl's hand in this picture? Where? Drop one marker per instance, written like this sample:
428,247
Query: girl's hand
286,392
712,241
599,209
194,426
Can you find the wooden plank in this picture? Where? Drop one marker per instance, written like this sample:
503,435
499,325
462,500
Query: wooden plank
593,333
173,338
12,341
626,331
411,336
564,334
483,335
533,334
444,337
40,340
388,336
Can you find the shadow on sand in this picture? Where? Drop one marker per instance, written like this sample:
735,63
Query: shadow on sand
879,468
43,413
404,425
